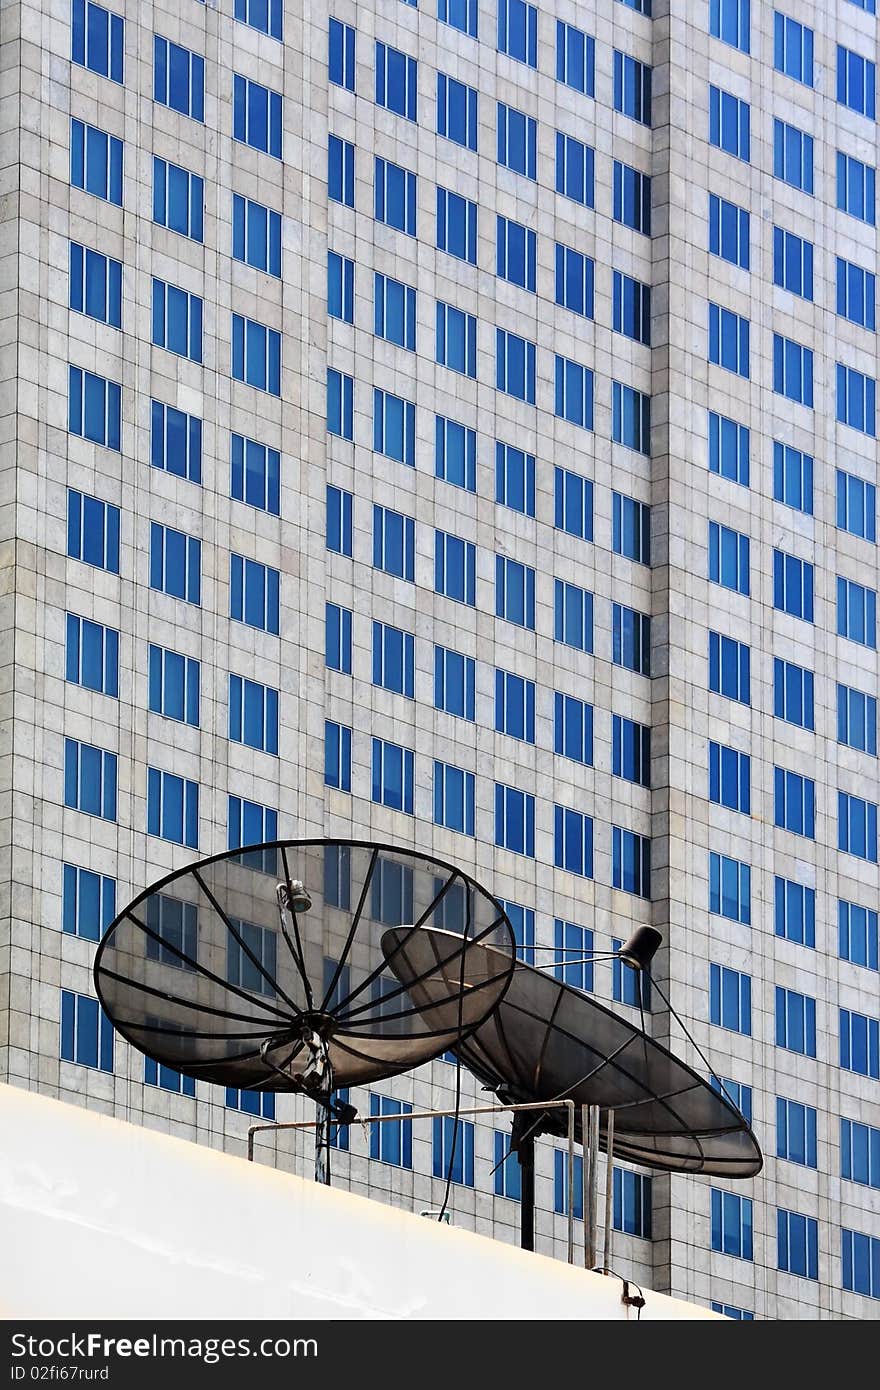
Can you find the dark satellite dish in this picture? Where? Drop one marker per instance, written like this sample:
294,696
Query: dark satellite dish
264,969
548,1041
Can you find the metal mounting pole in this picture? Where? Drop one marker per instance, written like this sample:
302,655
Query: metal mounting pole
571,1113
526,1157
609,1192
590,1124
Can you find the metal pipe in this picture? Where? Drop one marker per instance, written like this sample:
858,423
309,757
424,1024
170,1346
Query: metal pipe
585,1180
571,1111
594,1184
609,1191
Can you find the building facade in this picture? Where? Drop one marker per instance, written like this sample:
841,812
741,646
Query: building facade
455,425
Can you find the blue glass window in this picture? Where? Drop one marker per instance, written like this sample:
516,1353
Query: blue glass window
457,226
340,171
729,778
856,400
860,1254
630,862
265,15
167,1078
574,392
630,750
575,58
792,586
797,1244
632,987
729,668
456,341
454,683
90,779
177,320
729,21
175,563
573,504
391,1143
728,449
856,506
738,1094
259,1104
856,82
631,639
730,888
256,116
860,1153
394,543
573,615
97,39
860,1044
96,162
796,1132
793,263
457,111
88,902
337,756
256,355
793,693
178,78
514,479
575,169
506,1174
455,453
175,442
91,656
514,592
94,408
729,123
253,594
393,659
857,613
396,81
517,141
253,714
856,294
453,1149
795,1022
392,780
728,558
515,252
560,1184
793,156
95,285
856,188
522,919
793,48
172,808
857,827
255,474
340,404
518,31
793,477
251,824
794,802
455,568
730,999
857,719
728,231
573,945
631,308
573,841
256,235
86,1032
729,340
337,638
630,528
178,199
174,685
731,1224
572,728
460,14
575,275
514,820
632,198
394,427
631,1209
394,196
454,796
341,54
630,418
632,88
515,366
92,531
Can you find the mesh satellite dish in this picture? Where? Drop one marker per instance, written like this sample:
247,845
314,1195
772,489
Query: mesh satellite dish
549,1041
264,968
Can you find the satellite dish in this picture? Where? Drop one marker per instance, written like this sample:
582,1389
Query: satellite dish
264,968
549,1041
